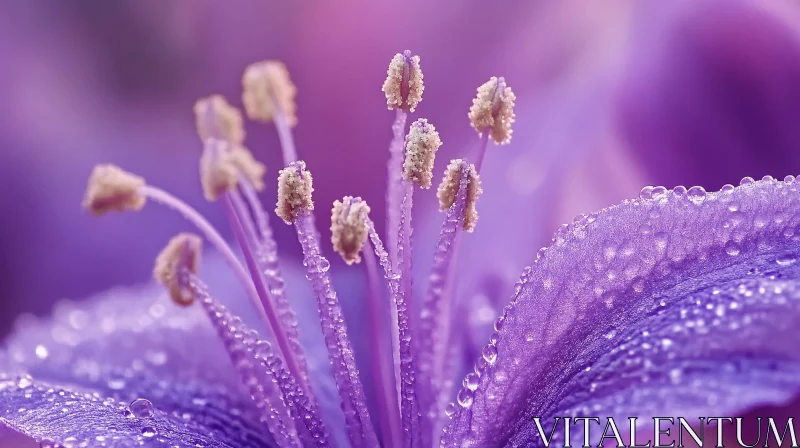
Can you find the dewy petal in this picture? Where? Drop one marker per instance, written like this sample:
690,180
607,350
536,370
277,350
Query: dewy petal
117,347
677,303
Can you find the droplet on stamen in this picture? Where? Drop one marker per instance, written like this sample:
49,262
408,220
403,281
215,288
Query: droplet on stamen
448,189
493,110
215,118
295,186
112,188
403,86
422,142
182,252
349,231
267,89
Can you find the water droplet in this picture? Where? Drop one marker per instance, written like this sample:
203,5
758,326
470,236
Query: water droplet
465,397
646,193
679,191
727,189
490,354
658,192
498,324
24,381
41,352
450,409
786,259
149,431
141,408
768,178
789,179
471,381
696,194
732,248
746,181
645,229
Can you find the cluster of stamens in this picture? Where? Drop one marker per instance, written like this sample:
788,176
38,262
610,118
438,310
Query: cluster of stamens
229,173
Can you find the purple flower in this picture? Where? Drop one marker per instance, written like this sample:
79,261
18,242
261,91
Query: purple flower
681,301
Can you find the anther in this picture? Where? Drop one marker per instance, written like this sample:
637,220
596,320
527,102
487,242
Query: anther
218,172
448,190
403,86
493,110
269,90
295,186
215,118
422,142
112,188
182,252
349,230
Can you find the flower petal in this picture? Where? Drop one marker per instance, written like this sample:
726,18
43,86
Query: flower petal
675,303
95,358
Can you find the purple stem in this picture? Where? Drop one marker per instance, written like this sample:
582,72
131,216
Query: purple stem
482,151
236,211
381,348
408,404
435,318
394,193
285,410
211,234
284,135
267,257
340,350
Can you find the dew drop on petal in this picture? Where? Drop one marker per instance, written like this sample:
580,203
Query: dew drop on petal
727,189
789,179
450,409
471,381
490,354
659,192
465,397
24,382
646,193
148,432
746,181
141,408
696,194
732,248
679,191
786,259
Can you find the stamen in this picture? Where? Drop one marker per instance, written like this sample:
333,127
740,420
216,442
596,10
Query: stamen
268,90
295,182
285,409
218,172
435,317
215,118
449,187
348,232
295,186
248,166
493,110
182,252
409,405
245,234
269,96
422,142
403,86
111,188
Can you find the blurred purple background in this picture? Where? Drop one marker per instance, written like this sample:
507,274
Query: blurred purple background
611,97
